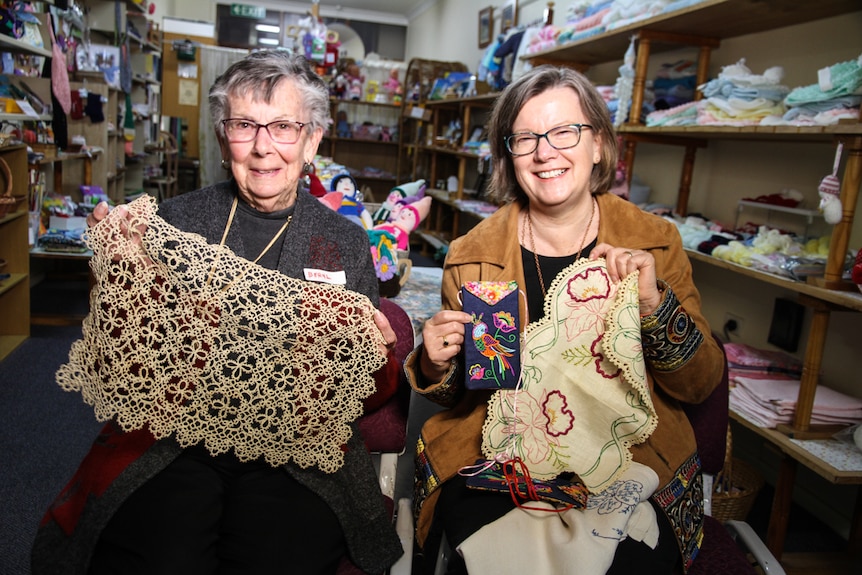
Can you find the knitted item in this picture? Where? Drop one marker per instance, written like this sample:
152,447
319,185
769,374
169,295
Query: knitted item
186,339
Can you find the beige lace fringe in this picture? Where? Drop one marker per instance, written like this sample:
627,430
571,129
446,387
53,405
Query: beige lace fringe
189,340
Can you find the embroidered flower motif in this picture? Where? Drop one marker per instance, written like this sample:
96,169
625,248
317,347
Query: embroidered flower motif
590,292
619,497
560,417
504,321
477,372
529,425
601,361
593,283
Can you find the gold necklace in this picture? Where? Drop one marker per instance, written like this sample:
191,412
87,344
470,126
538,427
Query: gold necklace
227,229
529,225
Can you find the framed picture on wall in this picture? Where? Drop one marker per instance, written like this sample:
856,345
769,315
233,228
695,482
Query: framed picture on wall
509,15
486,26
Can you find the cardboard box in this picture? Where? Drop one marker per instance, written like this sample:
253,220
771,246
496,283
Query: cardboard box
72,223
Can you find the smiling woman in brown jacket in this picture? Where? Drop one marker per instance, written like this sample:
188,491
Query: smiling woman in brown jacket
554,155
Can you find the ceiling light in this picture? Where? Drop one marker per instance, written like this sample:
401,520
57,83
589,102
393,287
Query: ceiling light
267,28
268,41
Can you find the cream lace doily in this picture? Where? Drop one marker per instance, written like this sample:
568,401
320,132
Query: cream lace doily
583,400
187,339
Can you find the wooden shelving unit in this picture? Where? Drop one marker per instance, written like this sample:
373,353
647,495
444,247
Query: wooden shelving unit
359,153
703,25
14,249
436,155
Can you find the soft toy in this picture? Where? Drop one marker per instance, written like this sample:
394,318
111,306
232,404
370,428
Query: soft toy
408,219
398,194
355,79
351,203
830,192
338,86
390,245
342,126
313,183
392,86
331,200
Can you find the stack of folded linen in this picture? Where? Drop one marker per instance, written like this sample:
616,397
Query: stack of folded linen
764,388
770,402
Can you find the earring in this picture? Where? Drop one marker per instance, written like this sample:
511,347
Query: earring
225,164
307,168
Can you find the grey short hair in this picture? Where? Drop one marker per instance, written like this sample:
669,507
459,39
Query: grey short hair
503,187
259,74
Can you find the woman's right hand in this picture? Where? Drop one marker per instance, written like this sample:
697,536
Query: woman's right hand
442,338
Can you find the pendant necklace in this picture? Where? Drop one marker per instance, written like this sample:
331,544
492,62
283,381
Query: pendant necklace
227,228
528,221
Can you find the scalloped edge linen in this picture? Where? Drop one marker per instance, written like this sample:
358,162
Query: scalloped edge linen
584,399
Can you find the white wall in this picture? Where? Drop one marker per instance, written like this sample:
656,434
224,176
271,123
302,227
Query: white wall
449,30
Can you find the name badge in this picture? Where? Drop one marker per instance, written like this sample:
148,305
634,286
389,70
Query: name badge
323,276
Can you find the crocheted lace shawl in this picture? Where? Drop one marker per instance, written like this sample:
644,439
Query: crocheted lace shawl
583,399
187,339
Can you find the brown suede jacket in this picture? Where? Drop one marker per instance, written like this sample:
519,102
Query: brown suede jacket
452,438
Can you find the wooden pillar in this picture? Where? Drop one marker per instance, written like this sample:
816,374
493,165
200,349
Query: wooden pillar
850,181
685,180
812,363
640,79
629,148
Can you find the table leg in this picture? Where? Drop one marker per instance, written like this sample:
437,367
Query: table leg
781,502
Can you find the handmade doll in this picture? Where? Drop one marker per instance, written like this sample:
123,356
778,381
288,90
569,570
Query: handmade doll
830,192
355,80
408,219
392,87
398,194
342,126
351,202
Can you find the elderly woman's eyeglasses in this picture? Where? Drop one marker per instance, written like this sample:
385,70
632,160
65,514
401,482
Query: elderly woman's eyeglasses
281,131
560,138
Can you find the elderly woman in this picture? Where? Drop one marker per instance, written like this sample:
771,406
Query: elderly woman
144,505
554,153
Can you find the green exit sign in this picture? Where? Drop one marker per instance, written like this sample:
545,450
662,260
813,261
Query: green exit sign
246,11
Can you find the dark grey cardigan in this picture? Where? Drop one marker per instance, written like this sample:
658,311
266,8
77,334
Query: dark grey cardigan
316,238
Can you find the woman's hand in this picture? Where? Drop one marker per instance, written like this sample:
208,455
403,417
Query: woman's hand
98,214
389,336
442,337
126,231
623,261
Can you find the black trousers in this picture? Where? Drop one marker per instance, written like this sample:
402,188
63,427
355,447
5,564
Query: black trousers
217,515
460,512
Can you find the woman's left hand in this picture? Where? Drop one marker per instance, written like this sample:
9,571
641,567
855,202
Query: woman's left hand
623,261
389,337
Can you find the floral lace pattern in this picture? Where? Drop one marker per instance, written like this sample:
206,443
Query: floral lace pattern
189,340
583,399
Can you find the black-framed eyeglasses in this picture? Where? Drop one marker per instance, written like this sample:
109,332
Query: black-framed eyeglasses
560,138
281,131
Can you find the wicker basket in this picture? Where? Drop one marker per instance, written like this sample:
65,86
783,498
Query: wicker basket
735,488
8,202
